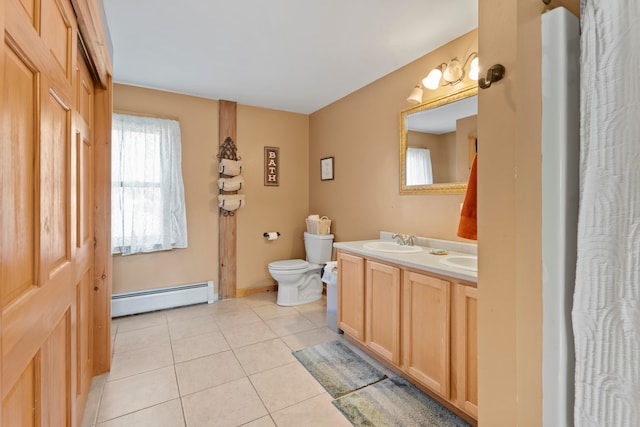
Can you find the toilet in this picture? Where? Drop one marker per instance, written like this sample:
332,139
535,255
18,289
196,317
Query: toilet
299,281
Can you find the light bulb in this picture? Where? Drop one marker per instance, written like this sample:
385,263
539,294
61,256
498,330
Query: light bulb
432,81
473,70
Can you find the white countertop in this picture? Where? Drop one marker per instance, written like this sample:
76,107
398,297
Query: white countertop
422,260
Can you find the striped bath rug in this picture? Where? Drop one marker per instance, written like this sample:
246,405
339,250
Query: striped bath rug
395,402
337,367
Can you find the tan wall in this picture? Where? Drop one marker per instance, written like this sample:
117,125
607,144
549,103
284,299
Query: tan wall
280,208
509,217
199,130
362,132
465,128
449,143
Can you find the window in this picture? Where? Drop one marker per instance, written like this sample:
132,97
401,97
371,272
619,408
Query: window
418,168
147,194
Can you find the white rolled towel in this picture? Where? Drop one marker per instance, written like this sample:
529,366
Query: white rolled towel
230,167
231,202
231,184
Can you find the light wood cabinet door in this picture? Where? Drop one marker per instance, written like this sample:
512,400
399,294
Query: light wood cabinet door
466,344
351,295
425,330
382,313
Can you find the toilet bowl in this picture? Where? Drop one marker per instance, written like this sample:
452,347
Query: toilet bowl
299,281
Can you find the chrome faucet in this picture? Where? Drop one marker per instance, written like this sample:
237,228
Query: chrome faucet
404,239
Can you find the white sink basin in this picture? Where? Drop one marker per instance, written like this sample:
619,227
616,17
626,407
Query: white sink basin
383,246
469,262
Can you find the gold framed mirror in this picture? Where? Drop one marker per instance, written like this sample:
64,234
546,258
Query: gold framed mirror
438,139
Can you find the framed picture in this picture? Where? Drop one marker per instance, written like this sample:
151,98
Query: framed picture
326,169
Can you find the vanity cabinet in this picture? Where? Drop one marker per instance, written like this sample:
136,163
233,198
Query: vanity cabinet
382,310
351,295
421,324
465,348
426,307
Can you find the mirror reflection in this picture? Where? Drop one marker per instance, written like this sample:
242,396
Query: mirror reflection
438,142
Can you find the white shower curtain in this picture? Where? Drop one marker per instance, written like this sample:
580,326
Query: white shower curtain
606,311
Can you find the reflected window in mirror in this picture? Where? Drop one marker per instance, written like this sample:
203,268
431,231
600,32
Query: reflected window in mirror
442,130
419,170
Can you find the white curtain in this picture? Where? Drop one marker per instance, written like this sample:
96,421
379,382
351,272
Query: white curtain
606,311
418,167
147,199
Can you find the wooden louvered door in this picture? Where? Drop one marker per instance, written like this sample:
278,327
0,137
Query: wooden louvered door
46,240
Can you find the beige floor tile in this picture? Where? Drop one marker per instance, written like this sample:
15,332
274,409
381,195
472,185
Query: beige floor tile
121,397
127,363
206,372
315,412
271,311
285,386
320,304
231,404
308,338
289,325
264,355
93,401
168,414
242,335
228,305
261,422
238,317
198,346
140,321
140,338
184,328
261,298
317,317
188,312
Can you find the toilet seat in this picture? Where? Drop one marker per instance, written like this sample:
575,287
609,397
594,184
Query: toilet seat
289,265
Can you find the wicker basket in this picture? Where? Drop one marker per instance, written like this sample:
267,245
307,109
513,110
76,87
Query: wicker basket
319,226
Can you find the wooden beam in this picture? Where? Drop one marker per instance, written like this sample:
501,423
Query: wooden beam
227,224
102,231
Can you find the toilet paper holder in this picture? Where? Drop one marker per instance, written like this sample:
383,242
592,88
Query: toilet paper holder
266,234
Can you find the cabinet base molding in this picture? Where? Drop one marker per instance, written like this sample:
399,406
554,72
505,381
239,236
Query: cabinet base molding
471,421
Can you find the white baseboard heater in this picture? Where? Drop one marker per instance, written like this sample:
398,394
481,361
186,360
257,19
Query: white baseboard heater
127,303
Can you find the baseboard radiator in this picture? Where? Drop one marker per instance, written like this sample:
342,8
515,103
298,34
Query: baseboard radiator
127,303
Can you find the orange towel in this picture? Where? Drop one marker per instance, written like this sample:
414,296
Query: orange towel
468,227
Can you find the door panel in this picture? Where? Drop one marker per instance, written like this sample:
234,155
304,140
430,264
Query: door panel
54,181
46,214
56,383
30,7
351,295
382,318
22,399
18,181
57,34
426,322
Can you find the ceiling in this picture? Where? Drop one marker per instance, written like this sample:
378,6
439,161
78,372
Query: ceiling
442,119
291,55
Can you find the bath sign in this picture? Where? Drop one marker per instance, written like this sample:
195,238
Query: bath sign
271,166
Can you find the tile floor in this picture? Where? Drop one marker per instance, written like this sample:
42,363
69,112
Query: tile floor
224,364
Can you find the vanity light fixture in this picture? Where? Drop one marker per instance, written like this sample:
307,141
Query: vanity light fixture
452,73
415,97
446,74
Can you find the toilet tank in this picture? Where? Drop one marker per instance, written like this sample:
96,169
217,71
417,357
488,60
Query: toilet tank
318,247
